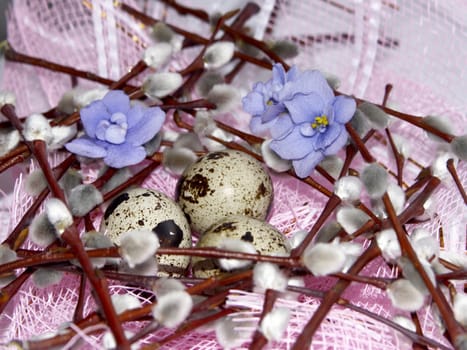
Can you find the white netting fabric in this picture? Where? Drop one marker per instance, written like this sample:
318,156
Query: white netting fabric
418,46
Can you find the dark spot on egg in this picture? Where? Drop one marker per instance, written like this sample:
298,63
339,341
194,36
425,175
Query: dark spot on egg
225,226
261,191
140,222
216,155
146,194
191,189
115,203
247,237
169,234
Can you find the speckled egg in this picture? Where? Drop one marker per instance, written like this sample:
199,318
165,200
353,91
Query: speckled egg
141,208
266,239
222,184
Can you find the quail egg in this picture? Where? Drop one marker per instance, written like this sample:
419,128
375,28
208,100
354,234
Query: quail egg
265,238
142,208
222,184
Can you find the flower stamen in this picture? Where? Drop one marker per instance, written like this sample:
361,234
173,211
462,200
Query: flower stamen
320,122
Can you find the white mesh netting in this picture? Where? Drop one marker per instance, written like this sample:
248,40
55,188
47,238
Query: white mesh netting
418,46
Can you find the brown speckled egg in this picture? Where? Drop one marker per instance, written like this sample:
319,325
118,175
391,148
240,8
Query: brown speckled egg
142,208
266,239
222,184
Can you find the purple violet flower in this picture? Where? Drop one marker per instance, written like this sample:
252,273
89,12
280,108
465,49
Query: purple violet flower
116,131
304,118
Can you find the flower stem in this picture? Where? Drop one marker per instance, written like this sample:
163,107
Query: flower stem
71,235
259,340
455,177
453,328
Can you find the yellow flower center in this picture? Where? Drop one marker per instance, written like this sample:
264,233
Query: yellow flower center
320,121
270,102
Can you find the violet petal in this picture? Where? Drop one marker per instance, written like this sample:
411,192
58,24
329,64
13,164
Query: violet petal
92,115
116,101
304,108
119,156
147,127
303,167
344,109
86,147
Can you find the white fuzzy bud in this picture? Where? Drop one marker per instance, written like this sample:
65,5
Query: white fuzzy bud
333,165
204,123
405,296
297,238
108,341
70,180
440,123
235,245
58,215
207,81
389,245
352,252
44,278
83,198
411,273
189,140
8,141
153,144
224,96
272,159
375,179
459,147
7,97
268,276
333,80
284,48
159,85
227,333
402,145
328,232
166,285
176,160
37,127
35,182
275,323
460,308
377,117
41,231
425,245
137,246
405,322
161,32
97,240
83,98
124,302
351,219
348,188
396,195
61,135
147,268
324,258
119,178
173,308
218,54
157,55
6,254
360,123
439,166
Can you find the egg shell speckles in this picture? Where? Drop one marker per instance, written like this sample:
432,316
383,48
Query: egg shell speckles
222,184
142,208
266,239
